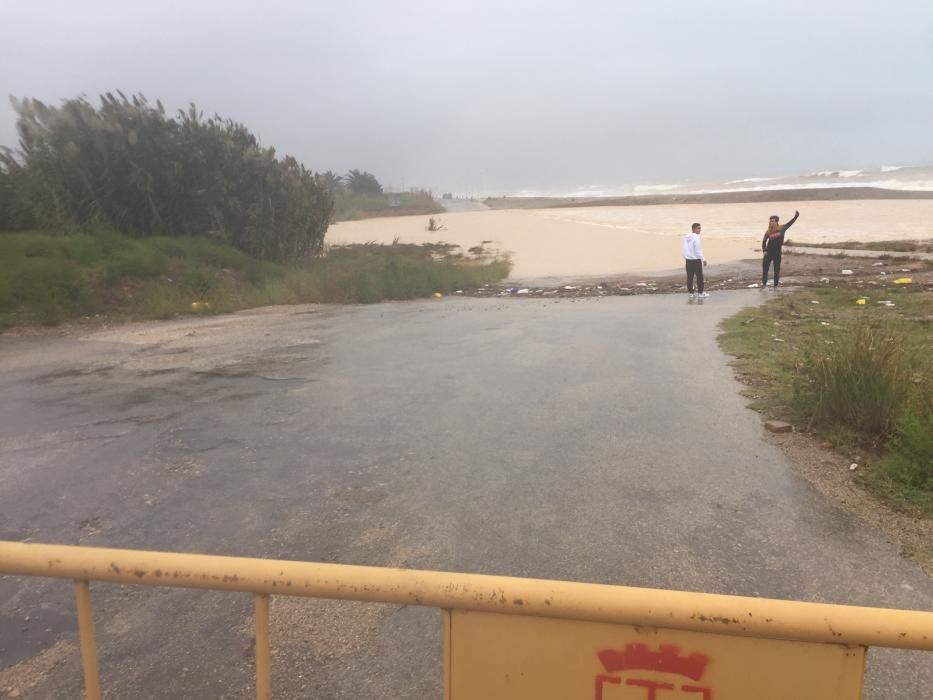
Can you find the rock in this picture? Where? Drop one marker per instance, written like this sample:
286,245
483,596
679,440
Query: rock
778,426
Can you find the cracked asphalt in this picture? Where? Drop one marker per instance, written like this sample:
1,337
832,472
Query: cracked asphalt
598,439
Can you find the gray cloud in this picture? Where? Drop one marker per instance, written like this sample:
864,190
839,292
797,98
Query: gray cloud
516,95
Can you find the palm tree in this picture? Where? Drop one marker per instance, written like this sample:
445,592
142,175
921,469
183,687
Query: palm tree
363,183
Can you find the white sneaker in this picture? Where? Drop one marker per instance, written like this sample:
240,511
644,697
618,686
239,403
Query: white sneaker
703,295
692,296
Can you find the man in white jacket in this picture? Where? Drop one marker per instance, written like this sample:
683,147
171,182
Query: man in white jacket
693,254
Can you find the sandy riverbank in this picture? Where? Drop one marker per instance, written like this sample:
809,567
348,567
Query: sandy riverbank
608,241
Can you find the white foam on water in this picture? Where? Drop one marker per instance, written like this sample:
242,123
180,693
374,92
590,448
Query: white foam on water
655,189
908,185
891,177
751,179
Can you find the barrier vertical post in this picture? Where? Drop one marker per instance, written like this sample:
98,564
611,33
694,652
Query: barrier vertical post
88,645
263,672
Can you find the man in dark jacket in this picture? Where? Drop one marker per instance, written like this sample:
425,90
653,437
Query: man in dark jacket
772,245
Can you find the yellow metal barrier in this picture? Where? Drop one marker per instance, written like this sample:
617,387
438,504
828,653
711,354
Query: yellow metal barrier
532,638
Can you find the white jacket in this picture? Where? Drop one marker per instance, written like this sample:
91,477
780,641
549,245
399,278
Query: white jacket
692,248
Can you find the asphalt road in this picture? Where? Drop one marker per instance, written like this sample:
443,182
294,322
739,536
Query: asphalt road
595,440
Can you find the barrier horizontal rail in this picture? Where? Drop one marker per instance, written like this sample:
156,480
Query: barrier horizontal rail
699,612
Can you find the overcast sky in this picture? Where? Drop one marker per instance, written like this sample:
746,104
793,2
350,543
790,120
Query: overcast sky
519,95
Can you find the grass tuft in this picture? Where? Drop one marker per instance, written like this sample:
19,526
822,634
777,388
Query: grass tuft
860,380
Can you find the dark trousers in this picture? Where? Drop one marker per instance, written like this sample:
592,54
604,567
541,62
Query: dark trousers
695,269
766,263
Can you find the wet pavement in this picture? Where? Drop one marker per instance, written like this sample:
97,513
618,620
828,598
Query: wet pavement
596,439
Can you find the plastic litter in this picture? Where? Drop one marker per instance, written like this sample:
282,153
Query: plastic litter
904,280
522,291
848,272
437,295
860,302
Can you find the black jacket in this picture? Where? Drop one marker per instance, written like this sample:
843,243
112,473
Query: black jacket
772,246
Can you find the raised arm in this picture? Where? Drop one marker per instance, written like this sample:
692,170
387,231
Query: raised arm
790,223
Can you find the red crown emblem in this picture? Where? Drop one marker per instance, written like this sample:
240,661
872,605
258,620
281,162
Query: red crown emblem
667,659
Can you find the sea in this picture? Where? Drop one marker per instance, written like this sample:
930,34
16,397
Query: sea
891,177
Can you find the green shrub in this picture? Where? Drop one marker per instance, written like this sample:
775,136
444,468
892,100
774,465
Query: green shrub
905,472
141,263
861,381
125,164
198,283
910,459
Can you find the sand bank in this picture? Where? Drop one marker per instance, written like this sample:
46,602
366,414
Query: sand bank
593,241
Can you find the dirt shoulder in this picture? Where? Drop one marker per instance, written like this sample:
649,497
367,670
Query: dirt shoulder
827,468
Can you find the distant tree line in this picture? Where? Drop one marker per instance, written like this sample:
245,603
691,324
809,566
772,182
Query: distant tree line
358,194
129,166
